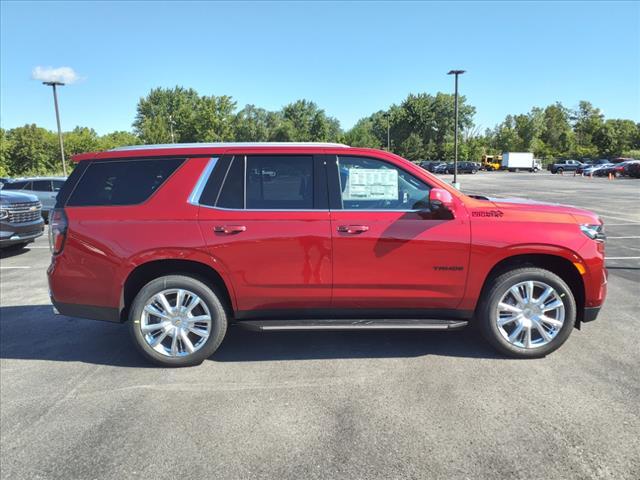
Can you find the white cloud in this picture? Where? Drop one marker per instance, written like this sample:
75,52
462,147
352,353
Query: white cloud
49,74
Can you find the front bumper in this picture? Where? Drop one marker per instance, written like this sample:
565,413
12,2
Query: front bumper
15,233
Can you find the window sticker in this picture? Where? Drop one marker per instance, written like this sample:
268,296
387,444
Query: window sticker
371,184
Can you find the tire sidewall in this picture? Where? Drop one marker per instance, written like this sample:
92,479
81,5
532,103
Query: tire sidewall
506,281
216,309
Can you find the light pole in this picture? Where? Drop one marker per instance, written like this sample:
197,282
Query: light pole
173,140
455,139
55,102
388,132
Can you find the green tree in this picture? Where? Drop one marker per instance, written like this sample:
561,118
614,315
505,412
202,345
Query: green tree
303,121
80,140
5,153
32,150
214,119
253,124
588,120
117,139
556,133
165,110
362,135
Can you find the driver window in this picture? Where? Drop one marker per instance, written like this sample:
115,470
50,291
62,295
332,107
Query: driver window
369,184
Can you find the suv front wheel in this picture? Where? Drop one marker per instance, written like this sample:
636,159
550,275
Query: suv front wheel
527,313
177,321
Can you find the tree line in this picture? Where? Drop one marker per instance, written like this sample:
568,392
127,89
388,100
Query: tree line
421,127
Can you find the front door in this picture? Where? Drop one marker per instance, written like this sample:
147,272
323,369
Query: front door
390,251
268,227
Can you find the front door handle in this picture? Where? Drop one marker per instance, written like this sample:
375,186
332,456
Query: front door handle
229,229
353,229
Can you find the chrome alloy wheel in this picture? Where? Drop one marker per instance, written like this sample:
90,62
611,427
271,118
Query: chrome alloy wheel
175,322
530,314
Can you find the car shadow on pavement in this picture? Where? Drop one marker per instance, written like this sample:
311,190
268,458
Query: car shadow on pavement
9,252
35,333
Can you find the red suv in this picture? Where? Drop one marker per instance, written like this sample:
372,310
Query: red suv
183,240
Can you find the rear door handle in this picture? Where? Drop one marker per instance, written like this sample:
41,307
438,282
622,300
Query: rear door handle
229,229
353,229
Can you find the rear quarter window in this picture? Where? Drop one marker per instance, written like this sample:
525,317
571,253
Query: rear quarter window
121,182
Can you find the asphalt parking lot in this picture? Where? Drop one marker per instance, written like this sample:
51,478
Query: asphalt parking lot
77,401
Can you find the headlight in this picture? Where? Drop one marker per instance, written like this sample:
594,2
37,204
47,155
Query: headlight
594,232
4,213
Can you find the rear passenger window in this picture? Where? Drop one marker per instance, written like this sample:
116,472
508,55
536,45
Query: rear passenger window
121,182
42,185
279,182
232,193
20,185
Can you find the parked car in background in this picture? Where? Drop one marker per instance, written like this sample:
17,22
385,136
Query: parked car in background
590,170
180,241
440,168
431,166
463,167
45,188
615,169
633,170
20,219
591,165
565,166
627,167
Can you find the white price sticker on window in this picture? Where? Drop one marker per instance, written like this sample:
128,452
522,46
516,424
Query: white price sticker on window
371,184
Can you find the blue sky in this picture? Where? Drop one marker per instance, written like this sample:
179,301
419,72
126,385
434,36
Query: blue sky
350,58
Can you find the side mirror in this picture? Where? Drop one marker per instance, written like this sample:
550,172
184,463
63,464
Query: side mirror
440,199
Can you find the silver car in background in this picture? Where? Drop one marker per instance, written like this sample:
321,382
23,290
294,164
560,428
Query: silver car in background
45,188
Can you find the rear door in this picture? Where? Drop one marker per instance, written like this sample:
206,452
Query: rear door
265,220
44,191
391,253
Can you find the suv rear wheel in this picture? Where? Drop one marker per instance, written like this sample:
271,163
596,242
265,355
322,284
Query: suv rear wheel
177,321
528,313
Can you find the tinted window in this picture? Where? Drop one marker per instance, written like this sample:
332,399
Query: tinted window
121,182
232,193
368,184
57,185
42,185
14,185
280,182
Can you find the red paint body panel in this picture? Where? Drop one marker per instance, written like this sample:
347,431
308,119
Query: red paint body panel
282,259
400,261
298,259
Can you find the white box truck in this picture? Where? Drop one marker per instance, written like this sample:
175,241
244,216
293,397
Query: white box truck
516,161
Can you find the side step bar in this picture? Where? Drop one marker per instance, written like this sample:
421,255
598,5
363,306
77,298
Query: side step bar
350,324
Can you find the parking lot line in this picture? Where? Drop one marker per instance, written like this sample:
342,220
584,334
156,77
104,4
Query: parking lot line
622,258
619,238
9,268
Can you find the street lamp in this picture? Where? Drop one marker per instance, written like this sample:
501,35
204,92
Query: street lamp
388,131
55,102
455,140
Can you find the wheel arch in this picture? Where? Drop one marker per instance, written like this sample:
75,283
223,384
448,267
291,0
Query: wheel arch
148,271
560,265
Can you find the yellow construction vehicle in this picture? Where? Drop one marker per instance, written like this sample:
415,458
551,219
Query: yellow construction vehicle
492,162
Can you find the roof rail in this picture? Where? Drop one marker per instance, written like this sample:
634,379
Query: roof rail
229,145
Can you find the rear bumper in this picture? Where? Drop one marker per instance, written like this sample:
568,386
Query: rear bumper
91,312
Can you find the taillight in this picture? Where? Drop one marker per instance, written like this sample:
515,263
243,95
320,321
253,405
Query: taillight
57,230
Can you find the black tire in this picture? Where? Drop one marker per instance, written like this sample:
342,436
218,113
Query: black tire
486,311
474,171
219,319
559,170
